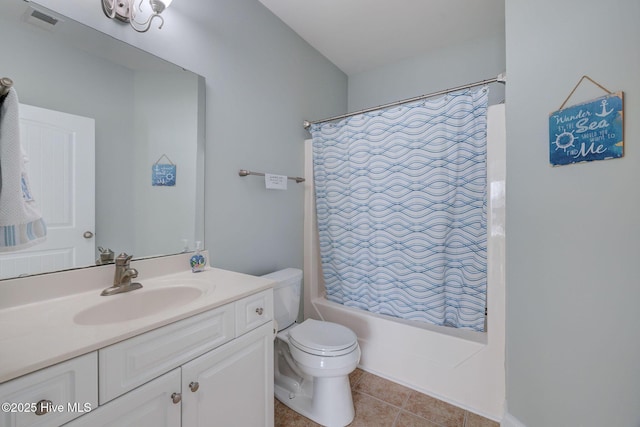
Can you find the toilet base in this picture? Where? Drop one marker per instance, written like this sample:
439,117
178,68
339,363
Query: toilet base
326,401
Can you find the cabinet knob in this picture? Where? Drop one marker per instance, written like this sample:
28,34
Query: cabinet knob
194,386
176,397
42,407
259,310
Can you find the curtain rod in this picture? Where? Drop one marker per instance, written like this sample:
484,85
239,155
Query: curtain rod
501,78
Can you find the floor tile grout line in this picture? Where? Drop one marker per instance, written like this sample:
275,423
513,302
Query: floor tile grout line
412,392
402,407
354,388
401,410
383,402
395,420
378,399
406,400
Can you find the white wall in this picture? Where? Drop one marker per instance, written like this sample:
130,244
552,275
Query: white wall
573,232
262,81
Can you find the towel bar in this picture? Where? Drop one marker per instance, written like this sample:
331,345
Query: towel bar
244,172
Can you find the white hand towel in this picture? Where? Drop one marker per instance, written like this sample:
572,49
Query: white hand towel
21,223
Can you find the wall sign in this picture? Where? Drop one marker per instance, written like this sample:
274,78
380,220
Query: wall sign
589,131
163,174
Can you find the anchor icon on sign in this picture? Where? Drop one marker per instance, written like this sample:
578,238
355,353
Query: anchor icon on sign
604,112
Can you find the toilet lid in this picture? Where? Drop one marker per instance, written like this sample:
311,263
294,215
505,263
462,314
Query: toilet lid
323,338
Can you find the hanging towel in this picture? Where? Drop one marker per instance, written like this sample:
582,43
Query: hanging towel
21,223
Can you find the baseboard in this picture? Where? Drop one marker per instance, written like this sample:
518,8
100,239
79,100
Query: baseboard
510,421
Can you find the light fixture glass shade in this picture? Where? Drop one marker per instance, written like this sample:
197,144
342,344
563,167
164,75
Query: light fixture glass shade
128,11
158,6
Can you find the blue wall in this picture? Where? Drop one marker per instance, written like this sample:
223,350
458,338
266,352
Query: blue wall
573,232
453,66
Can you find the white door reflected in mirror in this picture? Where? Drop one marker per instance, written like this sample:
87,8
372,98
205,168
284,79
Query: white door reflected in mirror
61,166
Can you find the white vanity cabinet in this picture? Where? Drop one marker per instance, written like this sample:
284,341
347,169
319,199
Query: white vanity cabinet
215,368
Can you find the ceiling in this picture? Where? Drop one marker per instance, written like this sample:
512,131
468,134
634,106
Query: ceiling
360,35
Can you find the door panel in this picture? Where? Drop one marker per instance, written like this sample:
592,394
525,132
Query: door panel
61,167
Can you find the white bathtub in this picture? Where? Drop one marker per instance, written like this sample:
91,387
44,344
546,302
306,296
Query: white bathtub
462,367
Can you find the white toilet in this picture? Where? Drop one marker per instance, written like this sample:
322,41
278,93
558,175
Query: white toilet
313,359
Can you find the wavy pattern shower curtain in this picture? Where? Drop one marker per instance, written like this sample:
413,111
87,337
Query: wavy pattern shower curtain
401,207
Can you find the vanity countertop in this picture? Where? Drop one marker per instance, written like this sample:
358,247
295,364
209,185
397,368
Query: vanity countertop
41,333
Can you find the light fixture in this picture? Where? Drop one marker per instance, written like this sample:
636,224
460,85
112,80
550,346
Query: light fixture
128,11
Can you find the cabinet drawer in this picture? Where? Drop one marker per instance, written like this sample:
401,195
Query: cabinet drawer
253,311
128,364
71,387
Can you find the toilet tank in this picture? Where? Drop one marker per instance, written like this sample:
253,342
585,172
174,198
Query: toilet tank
286,295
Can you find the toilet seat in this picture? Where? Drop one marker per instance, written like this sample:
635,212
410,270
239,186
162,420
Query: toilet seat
323,338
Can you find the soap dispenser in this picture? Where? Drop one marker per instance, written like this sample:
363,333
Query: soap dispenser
198,261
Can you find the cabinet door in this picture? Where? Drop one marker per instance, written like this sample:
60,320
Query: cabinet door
232,385
151,405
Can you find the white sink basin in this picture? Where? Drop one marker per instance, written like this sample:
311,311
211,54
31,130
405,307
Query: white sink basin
136,304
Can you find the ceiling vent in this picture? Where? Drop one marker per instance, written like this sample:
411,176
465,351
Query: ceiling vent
40,19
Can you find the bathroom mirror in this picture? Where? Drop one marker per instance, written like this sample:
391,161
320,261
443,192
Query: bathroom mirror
145,111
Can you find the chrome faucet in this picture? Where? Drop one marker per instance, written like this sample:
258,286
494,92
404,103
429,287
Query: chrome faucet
122,278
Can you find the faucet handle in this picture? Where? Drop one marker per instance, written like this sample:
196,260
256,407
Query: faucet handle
123,259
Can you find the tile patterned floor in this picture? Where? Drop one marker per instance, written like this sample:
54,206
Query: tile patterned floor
382,403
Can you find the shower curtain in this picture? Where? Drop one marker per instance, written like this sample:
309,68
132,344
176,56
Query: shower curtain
401,208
